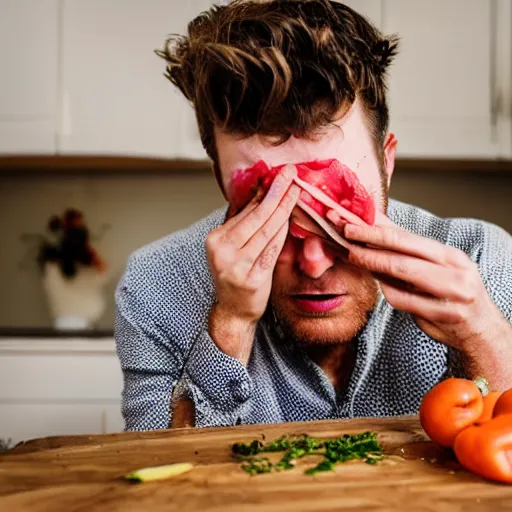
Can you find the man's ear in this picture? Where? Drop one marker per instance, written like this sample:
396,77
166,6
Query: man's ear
389,156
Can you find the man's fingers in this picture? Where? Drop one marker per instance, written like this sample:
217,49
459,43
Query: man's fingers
245,229
262,237
266,262
383,220
427,277
401,241
235,219
380,219
424,307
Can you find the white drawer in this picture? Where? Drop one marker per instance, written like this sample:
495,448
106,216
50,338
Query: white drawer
59,373
30,421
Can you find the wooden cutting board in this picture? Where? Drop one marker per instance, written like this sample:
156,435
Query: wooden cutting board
84,473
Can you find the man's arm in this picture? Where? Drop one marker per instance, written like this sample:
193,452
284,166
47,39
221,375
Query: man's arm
462,303
491,352
165,335
242,254
161,343
149,364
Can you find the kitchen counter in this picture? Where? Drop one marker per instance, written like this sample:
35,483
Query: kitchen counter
86,473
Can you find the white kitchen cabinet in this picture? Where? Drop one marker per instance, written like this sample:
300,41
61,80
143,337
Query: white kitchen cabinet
450,87
115,99
29,72
81,77
59,387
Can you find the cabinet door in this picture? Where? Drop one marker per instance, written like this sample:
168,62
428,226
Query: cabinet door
441,85
59,376
23,422
503,78
115,97
28,85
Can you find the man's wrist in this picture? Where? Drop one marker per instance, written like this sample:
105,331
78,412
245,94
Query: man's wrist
234,336
182,407
487,355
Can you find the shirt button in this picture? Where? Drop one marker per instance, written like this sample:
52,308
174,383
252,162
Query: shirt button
240,390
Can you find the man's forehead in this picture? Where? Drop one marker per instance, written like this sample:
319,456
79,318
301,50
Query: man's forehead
237,152
240,153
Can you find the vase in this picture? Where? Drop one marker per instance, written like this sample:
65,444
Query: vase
76,302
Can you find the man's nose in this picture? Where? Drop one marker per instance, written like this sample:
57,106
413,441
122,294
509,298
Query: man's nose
315,257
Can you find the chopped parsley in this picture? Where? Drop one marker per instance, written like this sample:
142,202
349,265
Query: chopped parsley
347,447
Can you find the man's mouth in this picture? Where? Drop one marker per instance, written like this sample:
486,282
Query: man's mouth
318,303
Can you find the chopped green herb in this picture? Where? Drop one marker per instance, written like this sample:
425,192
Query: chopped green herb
325,465
257,466
347,447
248,449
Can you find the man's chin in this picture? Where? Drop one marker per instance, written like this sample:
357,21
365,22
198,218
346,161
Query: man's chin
320,330
340,325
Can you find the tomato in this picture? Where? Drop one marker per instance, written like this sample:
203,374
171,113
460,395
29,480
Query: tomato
504,404
450,407
486,449
489,403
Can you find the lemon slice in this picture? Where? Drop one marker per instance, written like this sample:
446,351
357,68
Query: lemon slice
159,472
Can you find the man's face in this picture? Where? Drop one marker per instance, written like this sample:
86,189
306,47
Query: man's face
316,296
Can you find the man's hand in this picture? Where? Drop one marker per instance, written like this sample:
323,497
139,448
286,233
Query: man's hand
242,254
442,288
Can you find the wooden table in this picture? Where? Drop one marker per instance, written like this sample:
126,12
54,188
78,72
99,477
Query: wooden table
84,473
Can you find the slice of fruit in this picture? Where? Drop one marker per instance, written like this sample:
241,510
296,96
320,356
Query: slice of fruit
326,227
302,225
325,184
159,472
327,202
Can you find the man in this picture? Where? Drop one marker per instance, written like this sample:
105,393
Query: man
234,320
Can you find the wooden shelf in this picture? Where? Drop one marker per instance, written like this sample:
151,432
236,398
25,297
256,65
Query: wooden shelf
134,165
97,164
50,332
452,165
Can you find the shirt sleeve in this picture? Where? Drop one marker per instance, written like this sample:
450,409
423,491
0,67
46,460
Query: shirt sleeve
218,384
495,266
162,340
493,256
149,362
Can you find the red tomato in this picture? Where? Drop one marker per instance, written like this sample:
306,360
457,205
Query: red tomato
486,449
450,407
489,403
504,404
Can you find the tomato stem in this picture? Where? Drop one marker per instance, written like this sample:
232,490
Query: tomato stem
483,385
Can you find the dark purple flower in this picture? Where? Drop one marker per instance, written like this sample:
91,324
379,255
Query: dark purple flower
55,224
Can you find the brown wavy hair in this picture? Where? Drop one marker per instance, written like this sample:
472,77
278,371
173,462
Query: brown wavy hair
280,68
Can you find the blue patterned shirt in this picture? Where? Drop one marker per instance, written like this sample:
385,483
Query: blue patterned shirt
162,306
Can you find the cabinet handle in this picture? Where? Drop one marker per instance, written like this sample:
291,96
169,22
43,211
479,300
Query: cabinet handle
5,445
493,85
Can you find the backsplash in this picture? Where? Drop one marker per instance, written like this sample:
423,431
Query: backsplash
138,209
142,208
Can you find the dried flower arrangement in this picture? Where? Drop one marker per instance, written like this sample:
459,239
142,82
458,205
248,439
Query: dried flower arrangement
67,243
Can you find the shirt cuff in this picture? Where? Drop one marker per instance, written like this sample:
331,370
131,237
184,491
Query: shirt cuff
219,385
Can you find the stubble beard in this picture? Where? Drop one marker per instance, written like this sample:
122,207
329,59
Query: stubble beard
330,328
